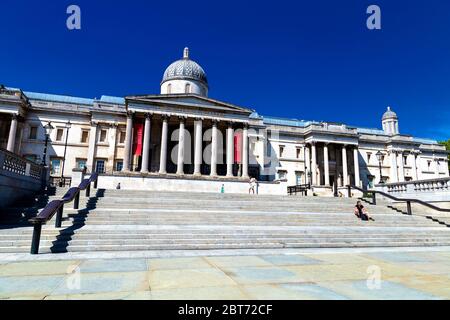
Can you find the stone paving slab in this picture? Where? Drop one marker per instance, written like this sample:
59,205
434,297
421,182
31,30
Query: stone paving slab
419,273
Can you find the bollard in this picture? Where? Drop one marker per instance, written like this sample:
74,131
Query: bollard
95,183
374,198
349,189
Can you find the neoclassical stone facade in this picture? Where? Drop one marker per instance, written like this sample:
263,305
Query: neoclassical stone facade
182,133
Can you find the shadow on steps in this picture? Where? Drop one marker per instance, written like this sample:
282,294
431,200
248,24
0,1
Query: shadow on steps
18,215
65,235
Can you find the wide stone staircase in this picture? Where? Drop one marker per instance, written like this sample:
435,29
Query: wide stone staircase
125,220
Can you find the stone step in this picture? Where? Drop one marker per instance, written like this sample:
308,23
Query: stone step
233,245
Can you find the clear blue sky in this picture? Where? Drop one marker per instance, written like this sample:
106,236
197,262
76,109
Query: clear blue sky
312,60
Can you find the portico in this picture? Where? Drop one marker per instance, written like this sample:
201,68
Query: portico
211,141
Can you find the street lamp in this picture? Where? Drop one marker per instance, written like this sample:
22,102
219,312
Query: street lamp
67,126
48,129
380,155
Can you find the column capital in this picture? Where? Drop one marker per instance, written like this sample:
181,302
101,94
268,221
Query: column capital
94,123
245,125
130,114
15,116
165,116
148,115
230,125
214,122
182,118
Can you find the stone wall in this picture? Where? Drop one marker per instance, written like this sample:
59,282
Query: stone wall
183,184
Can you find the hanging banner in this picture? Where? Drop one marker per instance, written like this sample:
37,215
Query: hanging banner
137,139
238,147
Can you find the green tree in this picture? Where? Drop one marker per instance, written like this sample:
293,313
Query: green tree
447,146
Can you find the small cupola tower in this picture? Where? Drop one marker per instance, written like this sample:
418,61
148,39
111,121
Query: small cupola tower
390,122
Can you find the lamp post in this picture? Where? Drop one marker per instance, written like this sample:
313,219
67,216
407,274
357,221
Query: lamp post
48,129
67,126
379,155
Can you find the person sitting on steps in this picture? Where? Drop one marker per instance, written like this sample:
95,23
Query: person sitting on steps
362,213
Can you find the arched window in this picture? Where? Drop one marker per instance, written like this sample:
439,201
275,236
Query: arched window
169,88
188,88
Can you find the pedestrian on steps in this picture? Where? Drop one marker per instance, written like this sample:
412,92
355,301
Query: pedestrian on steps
253,185
361,212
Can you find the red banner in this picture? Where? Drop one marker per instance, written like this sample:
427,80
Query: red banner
238,147
137,139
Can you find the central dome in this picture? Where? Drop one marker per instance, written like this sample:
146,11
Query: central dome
185,69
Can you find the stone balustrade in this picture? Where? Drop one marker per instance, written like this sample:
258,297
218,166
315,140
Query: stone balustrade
19,178
428,190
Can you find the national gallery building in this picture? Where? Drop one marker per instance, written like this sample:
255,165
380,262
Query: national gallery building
181,137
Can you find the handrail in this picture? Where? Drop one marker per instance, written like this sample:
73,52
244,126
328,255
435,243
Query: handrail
57,206
408,201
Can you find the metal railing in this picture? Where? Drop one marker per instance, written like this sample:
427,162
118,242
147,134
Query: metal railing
387,195
300,188
57,207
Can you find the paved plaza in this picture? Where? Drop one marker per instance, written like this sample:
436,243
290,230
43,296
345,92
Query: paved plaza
391,273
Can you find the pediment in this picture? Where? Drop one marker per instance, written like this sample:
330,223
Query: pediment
188,101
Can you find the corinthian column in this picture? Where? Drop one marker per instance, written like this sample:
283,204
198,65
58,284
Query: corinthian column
214,149
344,165
198,148
230,149
326,165
414,158
146,146
12,134
401,165
163,155
245,151
313,163
394,170
128,141
180,160
356,162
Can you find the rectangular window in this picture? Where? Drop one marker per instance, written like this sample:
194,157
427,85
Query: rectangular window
282,175
405,160
369,155
81,163
121,136
84,136
33,133
100,166
102,137
299,153
59,134
119,165
281,151
55,165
